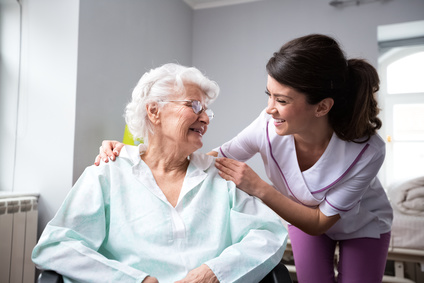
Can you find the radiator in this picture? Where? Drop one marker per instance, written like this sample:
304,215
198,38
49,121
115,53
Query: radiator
18,236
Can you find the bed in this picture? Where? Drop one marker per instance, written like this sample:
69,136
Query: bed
407,241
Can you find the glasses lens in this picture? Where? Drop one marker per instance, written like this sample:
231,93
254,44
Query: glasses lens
210,114
197,107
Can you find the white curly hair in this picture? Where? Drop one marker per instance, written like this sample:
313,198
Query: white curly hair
157,85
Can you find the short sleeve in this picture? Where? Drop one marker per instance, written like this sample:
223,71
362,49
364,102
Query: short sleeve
247,143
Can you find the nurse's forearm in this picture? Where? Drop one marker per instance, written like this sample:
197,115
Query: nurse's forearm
310,220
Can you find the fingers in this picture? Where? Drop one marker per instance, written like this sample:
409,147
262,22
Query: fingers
97,160
150,279
228,162
228,169
102,155
117,148
227,165
200,274
238,172
108,150
107,147
226,176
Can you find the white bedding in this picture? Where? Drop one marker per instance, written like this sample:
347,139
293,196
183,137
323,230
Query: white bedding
407,231
408,197
407,200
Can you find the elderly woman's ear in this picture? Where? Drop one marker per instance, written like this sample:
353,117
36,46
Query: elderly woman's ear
152,110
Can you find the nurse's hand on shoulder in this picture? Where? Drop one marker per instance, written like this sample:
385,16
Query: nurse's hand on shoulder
109,149
241,174
200,274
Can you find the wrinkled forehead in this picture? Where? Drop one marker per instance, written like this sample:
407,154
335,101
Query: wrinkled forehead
191,91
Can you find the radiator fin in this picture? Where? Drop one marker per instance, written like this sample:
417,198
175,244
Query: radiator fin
18,236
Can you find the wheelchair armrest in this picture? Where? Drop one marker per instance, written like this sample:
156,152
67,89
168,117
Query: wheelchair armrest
49,276
280,274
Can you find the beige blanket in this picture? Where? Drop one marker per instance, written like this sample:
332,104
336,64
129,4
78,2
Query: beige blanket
408,197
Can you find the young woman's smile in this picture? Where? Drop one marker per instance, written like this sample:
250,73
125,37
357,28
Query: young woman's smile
289,109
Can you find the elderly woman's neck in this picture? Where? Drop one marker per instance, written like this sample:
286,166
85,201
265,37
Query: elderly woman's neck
169,167
165,159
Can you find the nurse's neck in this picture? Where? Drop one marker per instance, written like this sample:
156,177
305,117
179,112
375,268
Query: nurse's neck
310,148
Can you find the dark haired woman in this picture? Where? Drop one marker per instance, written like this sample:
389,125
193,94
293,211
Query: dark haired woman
319,145
318,141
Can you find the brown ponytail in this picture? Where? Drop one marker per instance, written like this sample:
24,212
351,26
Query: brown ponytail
360,121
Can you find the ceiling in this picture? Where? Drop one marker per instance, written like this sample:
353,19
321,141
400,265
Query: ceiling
203,4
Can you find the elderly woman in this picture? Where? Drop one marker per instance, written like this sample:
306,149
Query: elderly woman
165,214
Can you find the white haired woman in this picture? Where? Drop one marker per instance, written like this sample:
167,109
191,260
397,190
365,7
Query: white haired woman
163,214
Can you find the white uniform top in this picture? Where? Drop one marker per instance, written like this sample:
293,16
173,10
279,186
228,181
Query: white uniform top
343,181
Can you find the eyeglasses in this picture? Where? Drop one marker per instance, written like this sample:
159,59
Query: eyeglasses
196,106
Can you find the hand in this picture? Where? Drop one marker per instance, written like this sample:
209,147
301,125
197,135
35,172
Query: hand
109,149
150,279
202,274
241,174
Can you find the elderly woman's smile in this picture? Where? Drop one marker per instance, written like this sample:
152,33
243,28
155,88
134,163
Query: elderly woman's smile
179,124
200,130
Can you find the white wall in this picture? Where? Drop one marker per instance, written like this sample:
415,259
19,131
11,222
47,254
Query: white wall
233,44
10,27
45,138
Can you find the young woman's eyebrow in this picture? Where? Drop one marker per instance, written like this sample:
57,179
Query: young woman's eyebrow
278,95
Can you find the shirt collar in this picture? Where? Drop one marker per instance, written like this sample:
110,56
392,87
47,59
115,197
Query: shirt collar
200,161
196,172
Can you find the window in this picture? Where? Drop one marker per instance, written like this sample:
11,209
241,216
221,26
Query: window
401,98
405,75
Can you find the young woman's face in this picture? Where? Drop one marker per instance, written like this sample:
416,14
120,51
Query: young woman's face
291,113
180,124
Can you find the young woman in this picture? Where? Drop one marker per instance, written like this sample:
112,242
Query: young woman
318,141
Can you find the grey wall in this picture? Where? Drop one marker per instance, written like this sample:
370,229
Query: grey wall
118,42
233,43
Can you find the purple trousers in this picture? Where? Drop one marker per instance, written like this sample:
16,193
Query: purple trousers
361,260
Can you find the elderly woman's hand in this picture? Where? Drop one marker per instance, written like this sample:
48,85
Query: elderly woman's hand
241,174
150,279
109,149
202,274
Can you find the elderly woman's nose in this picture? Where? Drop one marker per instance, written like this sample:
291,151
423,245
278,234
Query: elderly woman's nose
204,118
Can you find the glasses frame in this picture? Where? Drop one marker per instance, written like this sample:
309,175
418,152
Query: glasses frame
196,106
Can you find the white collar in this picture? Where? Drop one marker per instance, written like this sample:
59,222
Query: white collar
196,171
199,160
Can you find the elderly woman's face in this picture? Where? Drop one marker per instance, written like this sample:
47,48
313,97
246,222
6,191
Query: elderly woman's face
180,124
